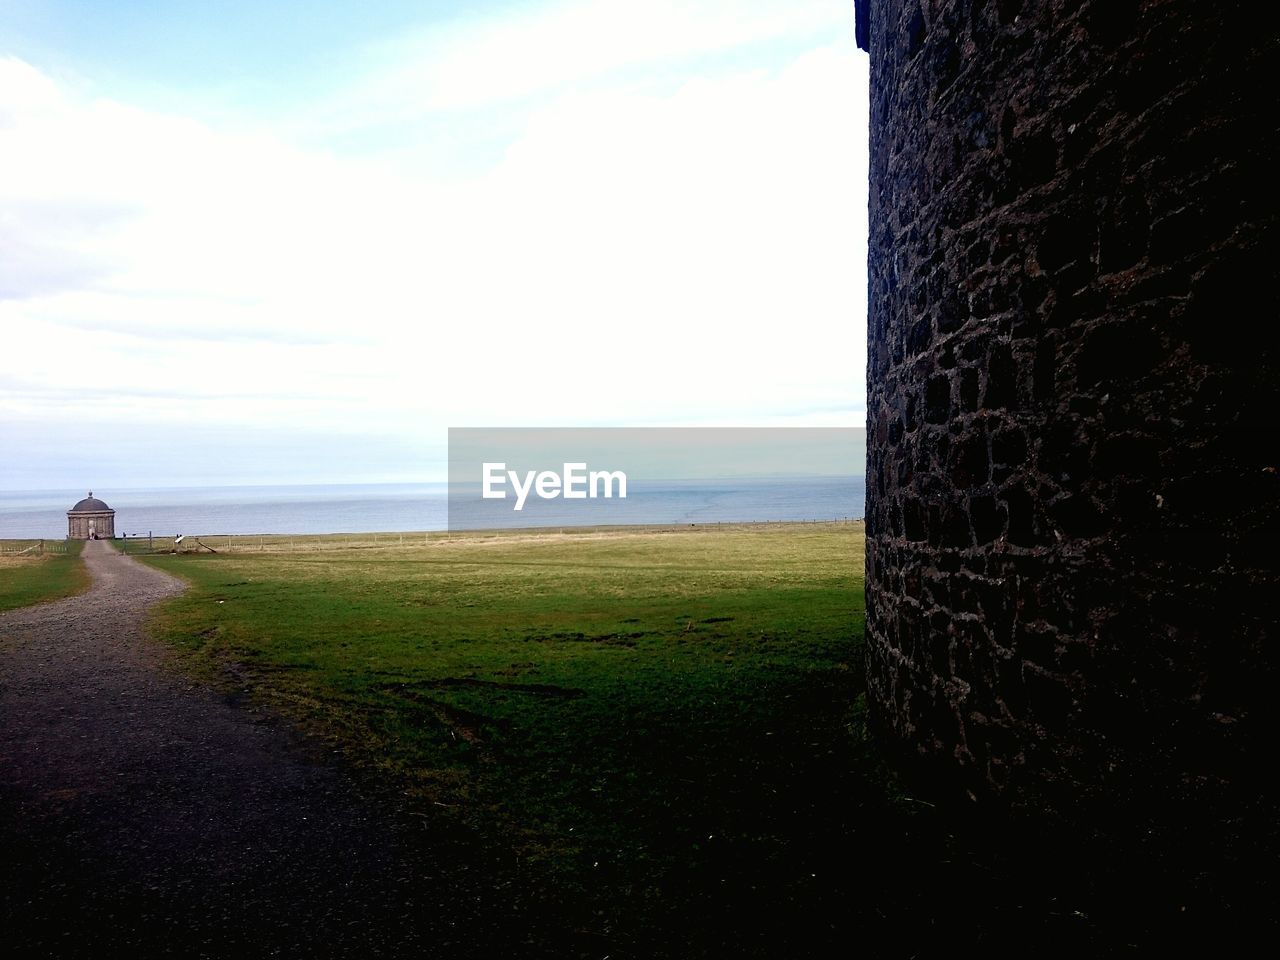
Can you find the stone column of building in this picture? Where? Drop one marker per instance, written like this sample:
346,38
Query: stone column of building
1073,384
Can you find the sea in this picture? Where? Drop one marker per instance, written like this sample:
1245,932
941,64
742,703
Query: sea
404,507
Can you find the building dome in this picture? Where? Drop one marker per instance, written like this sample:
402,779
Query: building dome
91,519
90,504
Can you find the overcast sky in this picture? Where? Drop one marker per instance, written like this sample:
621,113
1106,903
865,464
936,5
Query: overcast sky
296,241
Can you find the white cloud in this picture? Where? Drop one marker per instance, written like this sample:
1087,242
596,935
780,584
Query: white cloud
515,55
694,255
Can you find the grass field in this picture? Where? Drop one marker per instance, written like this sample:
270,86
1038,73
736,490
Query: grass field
665,726
660,733
36,578
656,735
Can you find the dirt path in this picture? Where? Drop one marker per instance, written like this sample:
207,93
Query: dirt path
142,817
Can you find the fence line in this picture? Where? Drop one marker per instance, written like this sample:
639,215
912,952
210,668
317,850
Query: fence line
32,548
274,543
321,543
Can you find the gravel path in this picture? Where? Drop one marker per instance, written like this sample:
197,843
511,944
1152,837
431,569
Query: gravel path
141,816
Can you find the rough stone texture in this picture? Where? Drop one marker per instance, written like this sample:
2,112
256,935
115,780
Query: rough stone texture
1072,385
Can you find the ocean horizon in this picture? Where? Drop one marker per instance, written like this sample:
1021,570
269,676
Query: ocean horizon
414,507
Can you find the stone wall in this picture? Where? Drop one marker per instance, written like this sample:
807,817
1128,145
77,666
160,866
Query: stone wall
1072,386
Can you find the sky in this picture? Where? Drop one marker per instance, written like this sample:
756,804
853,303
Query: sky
296,242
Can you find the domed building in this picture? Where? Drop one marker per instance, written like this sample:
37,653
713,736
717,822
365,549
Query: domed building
91,519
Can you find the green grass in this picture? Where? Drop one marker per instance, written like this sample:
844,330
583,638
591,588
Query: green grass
38,578
665,726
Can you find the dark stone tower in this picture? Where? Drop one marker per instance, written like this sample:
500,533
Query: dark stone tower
1073,388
